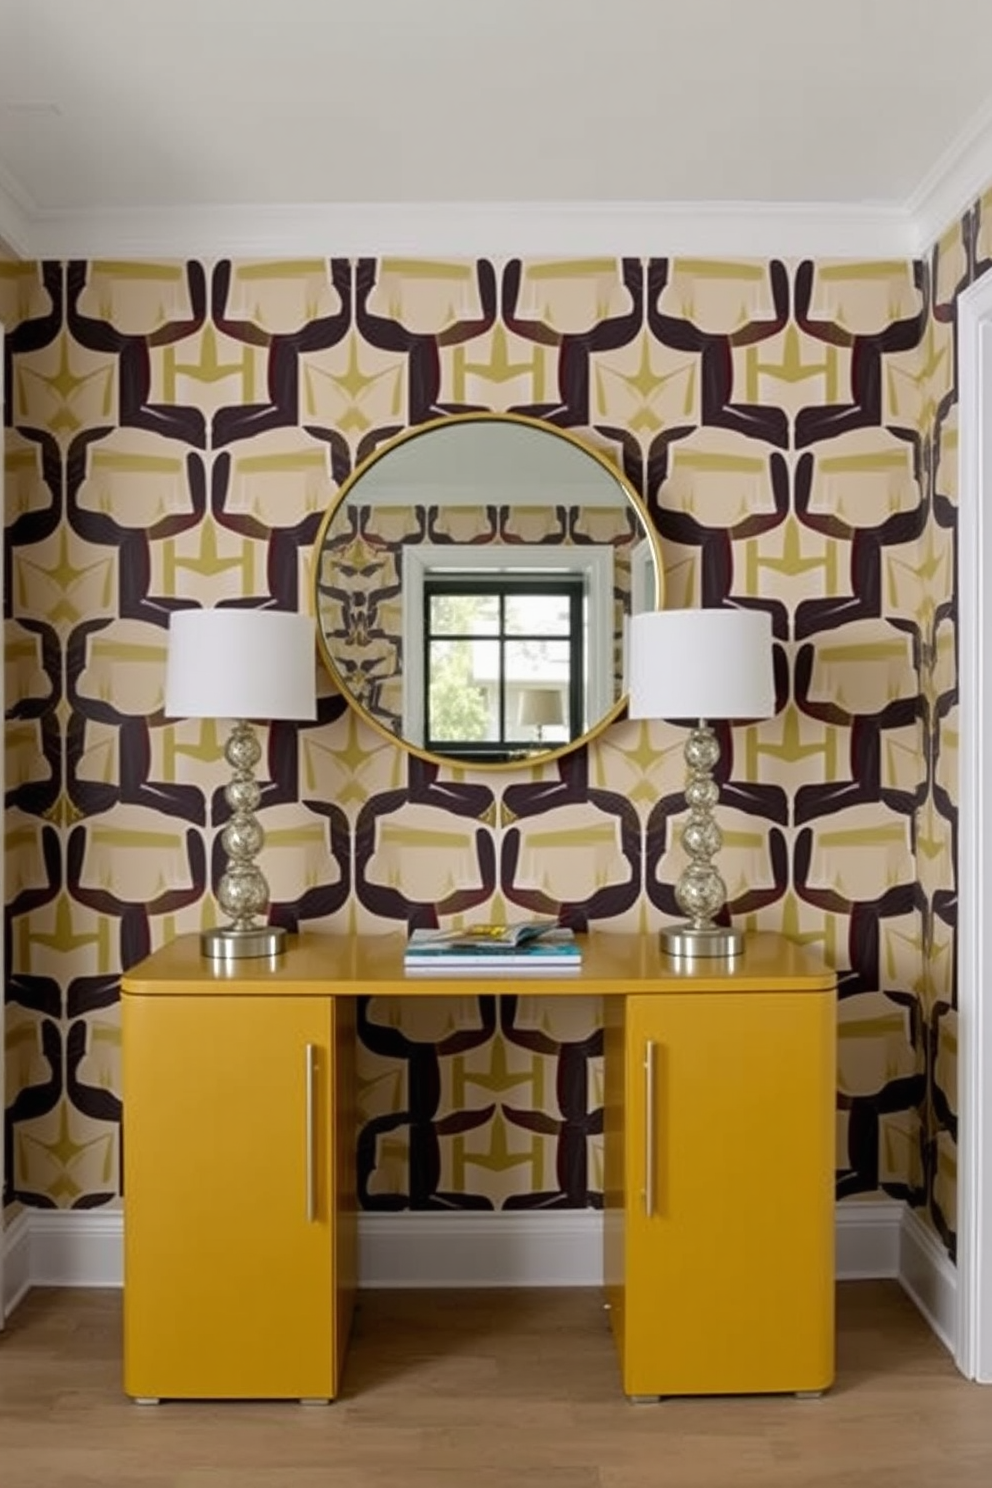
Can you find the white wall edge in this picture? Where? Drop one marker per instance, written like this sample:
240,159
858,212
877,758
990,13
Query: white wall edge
974,548
16,1266
953,182
436,1248
481,230
928,1277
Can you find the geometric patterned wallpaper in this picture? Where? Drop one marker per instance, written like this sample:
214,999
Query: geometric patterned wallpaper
175,432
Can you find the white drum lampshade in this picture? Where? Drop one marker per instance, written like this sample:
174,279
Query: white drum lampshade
242,665
701,665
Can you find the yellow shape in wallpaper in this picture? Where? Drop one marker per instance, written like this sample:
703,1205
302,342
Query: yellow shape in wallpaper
209,370
137,478
132,853
426,296
718,295
70,579
646,387
874,1046
210,563
866,477
25,489
790,750
281,296
66,389
640,760
577,846
23,295
496,1069
499,1158
790,563
865,297
427,849
858,856
502,370
863,666
280,481
946,1067
900,1159
719,478
791,371
353,387
136,298
296,857
348,763
945,1184
125,662
64,1154
570,296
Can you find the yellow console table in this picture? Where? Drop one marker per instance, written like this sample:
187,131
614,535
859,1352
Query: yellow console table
239,1193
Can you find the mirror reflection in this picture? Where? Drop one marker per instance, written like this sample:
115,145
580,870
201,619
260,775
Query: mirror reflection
472,584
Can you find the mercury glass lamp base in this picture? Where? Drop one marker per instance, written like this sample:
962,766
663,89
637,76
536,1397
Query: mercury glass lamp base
702,940
229,944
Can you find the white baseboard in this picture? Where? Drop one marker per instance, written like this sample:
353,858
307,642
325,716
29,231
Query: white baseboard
16,1263
77,1247
560,1247
445,1248
868,1239
929,1277
452,1248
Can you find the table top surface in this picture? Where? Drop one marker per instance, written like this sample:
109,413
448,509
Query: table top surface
613,964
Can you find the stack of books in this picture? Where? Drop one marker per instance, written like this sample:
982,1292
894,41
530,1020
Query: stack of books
535,945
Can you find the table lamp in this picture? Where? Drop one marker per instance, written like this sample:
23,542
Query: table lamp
701,664
241,664
541,708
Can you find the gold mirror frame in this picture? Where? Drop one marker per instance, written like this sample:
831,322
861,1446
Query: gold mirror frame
363,557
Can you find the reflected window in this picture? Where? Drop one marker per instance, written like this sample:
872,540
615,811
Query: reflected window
504,663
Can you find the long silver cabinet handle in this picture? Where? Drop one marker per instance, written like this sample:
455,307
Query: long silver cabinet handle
649,1127
311,1138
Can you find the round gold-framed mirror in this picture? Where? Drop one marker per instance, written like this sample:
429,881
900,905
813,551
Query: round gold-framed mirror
471,585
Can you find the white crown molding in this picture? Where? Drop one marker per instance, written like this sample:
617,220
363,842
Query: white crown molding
15,217
868,230
955,180
476,230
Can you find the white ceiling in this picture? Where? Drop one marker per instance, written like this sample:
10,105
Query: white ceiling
123,118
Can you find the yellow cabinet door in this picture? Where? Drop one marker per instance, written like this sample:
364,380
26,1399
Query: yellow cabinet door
729,1193
229,1188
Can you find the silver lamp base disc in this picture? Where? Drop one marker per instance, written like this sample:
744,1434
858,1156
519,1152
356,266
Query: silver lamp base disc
228,944
705,940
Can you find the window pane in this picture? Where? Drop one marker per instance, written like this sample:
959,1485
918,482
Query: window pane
537,614
464,614
463,697
537,667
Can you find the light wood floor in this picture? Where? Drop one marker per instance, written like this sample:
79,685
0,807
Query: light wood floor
490,1390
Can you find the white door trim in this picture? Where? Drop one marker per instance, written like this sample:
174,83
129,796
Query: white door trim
974,934
3,995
